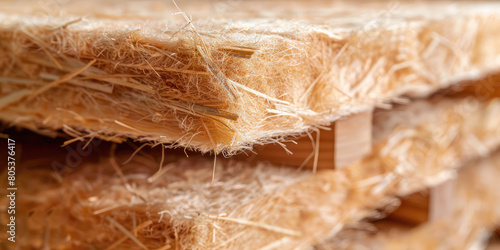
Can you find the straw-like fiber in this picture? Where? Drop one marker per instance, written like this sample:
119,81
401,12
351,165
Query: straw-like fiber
225,84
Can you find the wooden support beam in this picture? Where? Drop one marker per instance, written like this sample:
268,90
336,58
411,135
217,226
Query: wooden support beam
485,88
347,140
442,200
413,209
353,138
430,205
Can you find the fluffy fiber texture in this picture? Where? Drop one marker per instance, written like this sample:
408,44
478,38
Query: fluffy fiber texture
251,75
104,205
469,226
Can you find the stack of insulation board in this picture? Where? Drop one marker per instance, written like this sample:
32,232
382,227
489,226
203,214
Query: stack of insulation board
304,122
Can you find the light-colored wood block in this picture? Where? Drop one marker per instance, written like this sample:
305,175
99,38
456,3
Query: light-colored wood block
346,141
442,200
302,151
353,138
430,205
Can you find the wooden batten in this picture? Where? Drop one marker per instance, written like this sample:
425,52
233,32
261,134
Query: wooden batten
430,205
413,209
442,200
353,138
347,140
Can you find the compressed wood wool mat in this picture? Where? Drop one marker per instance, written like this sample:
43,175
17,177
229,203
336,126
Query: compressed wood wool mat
224,77
469,226
102,205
